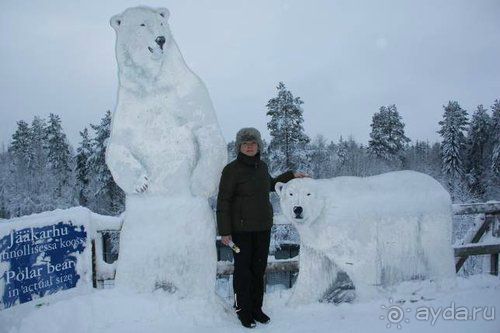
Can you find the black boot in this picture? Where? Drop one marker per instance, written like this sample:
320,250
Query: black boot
260,316
246,319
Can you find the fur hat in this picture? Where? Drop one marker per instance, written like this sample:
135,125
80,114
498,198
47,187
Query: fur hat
248,134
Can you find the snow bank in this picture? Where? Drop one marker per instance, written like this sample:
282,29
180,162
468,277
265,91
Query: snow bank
109,311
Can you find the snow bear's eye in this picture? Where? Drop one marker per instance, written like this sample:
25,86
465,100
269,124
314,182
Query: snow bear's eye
291,194
143,25
308,194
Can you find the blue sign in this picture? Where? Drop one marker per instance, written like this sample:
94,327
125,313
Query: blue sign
41,261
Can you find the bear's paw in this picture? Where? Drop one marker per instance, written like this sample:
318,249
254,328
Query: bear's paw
142,184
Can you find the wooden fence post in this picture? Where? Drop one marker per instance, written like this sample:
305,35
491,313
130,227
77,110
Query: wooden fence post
480,232
94,271
494,264
495,225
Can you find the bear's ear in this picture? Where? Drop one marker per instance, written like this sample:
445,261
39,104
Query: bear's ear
278,188
164,12
115,22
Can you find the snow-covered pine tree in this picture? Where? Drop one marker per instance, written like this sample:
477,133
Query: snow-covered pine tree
422,150
453,145
387,137
287,149
416,155
231,150
4,183
108,198
352,159
4,214
17,186
495,137
341,155
476,153
59,161
82,171
333,158
492,169
265,150
436,158
41,177
37,146
19,147
423,157
320,158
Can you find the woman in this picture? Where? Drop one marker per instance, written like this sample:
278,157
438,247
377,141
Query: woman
245,217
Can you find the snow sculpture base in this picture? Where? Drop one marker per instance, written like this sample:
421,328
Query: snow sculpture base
168,243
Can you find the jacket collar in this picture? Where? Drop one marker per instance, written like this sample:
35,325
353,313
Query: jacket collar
252,161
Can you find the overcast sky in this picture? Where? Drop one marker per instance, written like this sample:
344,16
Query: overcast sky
343,58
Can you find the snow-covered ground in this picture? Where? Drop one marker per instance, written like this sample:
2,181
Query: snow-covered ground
110,310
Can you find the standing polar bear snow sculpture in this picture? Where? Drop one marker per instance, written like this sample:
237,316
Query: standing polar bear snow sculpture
166,151
380,230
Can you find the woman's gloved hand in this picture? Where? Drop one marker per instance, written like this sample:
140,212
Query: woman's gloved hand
226,240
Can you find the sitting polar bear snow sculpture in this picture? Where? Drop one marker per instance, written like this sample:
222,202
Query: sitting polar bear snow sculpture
166,151
380,230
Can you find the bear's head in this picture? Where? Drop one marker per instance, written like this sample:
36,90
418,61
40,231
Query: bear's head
300,202
143,41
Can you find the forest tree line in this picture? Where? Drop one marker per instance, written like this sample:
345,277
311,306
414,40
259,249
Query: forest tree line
41,171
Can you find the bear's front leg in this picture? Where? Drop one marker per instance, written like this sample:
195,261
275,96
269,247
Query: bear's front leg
316,275
212,156
126,170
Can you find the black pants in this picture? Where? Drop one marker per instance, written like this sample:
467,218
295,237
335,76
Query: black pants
249,268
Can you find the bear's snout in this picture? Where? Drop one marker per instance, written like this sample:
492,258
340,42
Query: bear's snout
160,40
297,210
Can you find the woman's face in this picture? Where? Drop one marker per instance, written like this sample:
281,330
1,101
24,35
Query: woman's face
249,148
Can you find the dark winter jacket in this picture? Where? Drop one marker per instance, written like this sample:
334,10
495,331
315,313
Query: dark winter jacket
243,199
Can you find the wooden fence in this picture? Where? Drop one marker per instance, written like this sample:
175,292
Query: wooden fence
490,227
471,244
